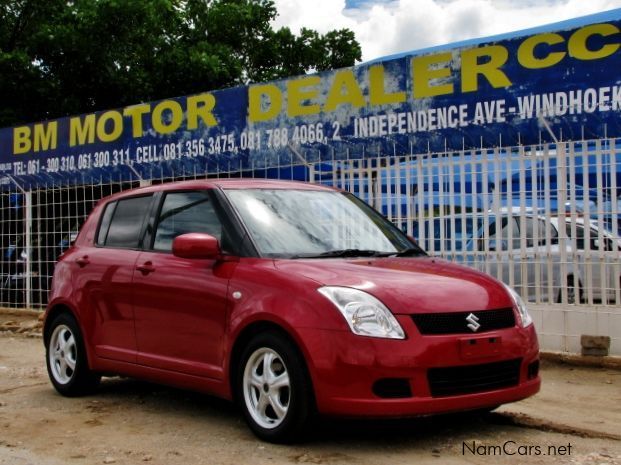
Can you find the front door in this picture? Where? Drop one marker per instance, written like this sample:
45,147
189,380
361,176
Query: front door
180,304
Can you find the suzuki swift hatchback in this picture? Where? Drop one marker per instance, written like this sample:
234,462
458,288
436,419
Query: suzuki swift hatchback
289,298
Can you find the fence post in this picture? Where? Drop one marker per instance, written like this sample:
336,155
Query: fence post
561,185
28,248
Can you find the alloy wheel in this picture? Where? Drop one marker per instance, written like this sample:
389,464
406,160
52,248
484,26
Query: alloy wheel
62,354
266,386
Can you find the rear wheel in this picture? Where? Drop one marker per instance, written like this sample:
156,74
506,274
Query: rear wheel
574,291
274,389
67,365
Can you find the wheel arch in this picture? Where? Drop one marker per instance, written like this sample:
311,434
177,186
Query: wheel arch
243,338
58,308
51,314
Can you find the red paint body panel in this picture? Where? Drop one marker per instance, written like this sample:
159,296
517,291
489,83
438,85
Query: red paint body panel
408,285
195,245
346,366
180,313
175,320
104,287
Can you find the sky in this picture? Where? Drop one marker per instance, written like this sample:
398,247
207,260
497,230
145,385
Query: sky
385,27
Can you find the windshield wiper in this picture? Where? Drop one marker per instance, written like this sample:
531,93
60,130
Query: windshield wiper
409,252
343,253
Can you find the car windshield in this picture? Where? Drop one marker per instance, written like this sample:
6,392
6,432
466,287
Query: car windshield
308,223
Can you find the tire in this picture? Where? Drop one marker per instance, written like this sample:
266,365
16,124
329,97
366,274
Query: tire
276,403
574,292
65,356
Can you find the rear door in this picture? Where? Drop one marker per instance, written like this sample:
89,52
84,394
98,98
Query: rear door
104,273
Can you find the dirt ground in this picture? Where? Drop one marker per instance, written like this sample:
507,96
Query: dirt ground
576,419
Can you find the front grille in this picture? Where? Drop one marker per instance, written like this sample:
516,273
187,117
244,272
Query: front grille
455,323
454,381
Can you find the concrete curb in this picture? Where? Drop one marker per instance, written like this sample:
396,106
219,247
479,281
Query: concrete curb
611,362
19,312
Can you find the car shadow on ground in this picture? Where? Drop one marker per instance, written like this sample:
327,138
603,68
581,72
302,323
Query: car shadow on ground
322,431
164,398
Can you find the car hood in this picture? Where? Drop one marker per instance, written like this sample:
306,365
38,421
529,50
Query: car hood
407,285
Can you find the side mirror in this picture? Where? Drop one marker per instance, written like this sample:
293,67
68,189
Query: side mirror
196,245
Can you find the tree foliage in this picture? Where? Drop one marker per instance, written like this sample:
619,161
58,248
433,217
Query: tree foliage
60,57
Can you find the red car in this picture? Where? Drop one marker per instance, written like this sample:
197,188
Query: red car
291,299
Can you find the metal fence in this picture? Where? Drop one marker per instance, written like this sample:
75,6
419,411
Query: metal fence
544,219
36,227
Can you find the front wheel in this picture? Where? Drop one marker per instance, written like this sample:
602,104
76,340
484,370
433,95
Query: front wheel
574,292
274,389
67,365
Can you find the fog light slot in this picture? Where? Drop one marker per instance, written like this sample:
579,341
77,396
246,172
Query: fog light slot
392,388
533,369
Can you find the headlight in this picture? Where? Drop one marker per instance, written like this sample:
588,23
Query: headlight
365,315
521,306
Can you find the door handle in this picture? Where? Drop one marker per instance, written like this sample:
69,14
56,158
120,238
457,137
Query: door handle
82,261
146,268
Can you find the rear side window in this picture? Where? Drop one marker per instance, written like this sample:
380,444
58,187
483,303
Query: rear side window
507,238
542,239
186,212
579,235
123,222
105,223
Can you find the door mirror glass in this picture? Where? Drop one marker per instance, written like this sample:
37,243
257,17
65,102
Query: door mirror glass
196,245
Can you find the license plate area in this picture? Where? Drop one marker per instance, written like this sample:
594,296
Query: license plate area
480,346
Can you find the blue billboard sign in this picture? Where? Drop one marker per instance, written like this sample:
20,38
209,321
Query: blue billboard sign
502,90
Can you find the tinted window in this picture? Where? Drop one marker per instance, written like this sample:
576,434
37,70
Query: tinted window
539,234
594,242
507,238
608,245
553,231
127,222
105,223
579,235
534,232
186,212
529,232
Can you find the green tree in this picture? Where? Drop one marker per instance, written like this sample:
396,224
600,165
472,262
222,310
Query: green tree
60,57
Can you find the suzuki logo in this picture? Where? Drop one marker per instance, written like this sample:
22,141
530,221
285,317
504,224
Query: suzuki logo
473,322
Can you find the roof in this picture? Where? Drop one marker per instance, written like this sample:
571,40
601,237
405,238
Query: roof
237,183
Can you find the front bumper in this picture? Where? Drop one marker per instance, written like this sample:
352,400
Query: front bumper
345,367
